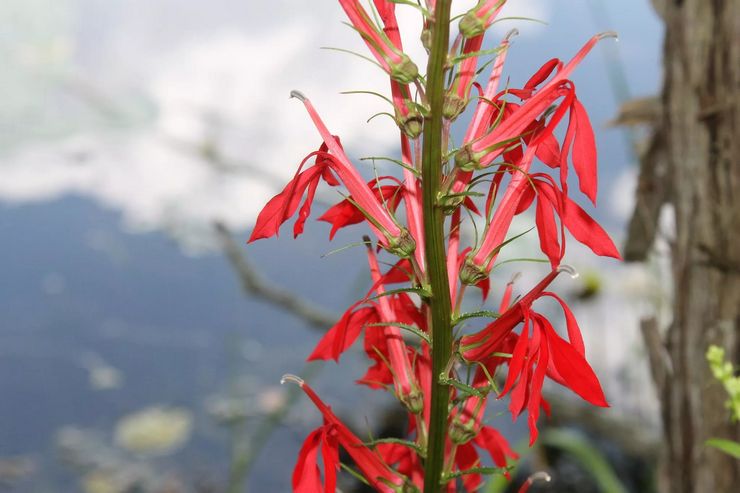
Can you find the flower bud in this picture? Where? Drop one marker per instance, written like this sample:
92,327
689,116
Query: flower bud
412,123
471,274
413,401
466,159
460,432
402,245
449,203
453,106
471,25
404,71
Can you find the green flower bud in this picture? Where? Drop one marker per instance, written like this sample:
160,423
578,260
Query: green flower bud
403,245
404,71
453,106
471,274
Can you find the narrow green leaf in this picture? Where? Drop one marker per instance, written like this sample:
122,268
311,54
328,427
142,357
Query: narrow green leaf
397,441
415,330
476,314
419,291
726,446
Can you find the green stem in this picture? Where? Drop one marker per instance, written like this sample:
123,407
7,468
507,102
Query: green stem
439,301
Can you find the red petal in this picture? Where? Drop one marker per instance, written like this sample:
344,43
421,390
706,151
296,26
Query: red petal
496,445
535,397
575,370
574,332
306,475
343,334
548,151
283,205
587,231
542,74
330,458
306,208
526,200
584,152
466,457
547,230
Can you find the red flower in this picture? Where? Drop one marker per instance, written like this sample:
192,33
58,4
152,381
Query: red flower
508,127
329,437
533,357
332,157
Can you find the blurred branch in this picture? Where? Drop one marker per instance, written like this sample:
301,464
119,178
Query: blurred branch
253,284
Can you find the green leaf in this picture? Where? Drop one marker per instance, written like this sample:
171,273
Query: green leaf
398,441
419,291
727,446
459,58
394,161
462,387
415,330
372,93
478,314
342,50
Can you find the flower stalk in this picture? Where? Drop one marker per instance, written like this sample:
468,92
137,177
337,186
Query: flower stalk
439,302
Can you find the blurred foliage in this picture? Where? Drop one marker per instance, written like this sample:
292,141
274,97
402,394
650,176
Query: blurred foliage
724,371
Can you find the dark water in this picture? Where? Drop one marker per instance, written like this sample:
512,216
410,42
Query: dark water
75,285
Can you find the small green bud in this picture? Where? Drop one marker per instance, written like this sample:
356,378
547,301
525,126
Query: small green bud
471,26
414,401
426,38
403,245
466,160
453,106
461,433
404,71
413,123
449,204
471,274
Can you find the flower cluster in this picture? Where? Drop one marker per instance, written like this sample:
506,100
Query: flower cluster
488,180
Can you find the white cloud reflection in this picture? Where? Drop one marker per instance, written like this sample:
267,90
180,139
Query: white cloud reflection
223,135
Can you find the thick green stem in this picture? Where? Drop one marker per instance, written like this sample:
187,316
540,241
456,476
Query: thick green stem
439,301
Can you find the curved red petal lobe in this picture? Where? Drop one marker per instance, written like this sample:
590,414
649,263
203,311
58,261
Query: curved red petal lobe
574,369
306,475
587,231
584,152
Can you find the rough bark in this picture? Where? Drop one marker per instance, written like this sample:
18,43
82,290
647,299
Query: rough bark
698,141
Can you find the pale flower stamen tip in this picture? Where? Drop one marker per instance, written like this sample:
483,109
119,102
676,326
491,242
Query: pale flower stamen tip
290,378
511,34
298,95
570,270
609,34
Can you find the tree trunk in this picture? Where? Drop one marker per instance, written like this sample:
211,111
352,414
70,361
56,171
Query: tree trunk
699,175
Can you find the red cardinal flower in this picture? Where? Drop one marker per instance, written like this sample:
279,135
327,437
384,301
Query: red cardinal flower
533,357
284,205
508,128
329,437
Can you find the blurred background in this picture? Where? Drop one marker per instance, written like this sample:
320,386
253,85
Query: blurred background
142,342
